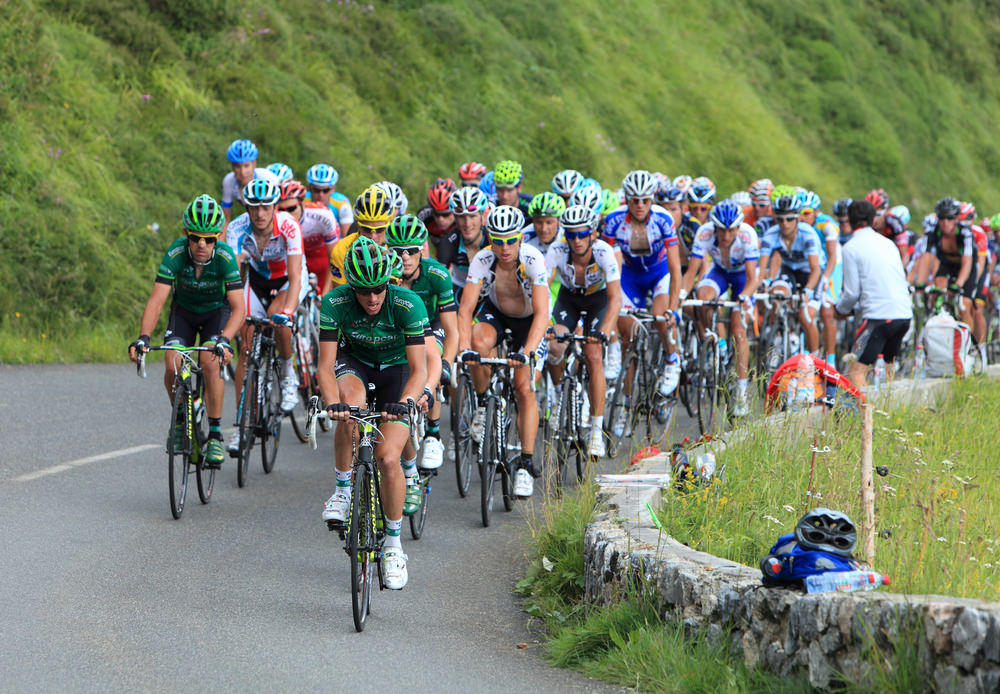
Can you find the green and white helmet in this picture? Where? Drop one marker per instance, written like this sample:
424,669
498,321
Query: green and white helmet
404,231
367,264
204,216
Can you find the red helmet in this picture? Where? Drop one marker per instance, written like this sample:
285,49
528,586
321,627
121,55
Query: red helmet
472,169
293,189
878,198
440,193
966,212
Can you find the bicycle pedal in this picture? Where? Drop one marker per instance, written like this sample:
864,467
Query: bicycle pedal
336,525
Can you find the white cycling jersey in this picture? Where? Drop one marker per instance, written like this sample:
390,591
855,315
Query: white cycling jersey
743,248
531,273
603,267
231,190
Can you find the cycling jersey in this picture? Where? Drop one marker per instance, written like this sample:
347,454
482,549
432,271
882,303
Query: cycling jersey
530,273
269,262
964,243
341,208
689,229
743,248
454,256
895,231
796,258
319,232
378,340
337,255
199,294
660,235
602,268
763,224
433,286
231,190
531,238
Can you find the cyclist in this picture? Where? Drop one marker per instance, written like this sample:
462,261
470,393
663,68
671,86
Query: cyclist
566,182
544,210
372,213
322,180
396,195
320,231
471,173
381,328
511,277
203,277
792,257
643,233
469,206
767,221
270,243
967,218
732,246
840,213
887,225
429,280
242,155
700,197
953,246
672,200
833,272
281,172
590,281
507,177
760,200
437,216
590,196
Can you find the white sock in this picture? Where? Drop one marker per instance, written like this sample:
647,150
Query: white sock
741,385
596,422
344,481
289,367
410,468
392,531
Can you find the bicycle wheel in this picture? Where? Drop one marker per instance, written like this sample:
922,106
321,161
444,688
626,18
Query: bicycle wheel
179,457
361,544
248,416
462,414
616,409
686,388
707,386
510,445
271,417
302,361
205,475
418,519
488,456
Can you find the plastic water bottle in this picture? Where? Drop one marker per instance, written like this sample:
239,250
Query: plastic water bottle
723,349
920,364
845,581
804,394
878,376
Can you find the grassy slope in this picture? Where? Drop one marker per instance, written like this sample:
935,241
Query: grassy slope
407,90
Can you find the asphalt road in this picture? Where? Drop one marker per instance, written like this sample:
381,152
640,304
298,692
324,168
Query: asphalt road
104,591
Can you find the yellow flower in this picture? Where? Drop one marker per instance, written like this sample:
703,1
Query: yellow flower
17,314
44,336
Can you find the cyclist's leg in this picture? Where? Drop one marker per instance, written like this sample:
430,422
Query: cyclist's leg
180,332
661,301
713,285
831,295
565,317
210,328
255,308
485,335
352,380
597,386
807,314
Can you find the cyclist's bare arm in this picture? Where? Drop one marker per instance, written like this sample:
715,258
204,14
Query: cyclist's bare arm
694,266
416,357
814,273
433,361
752,278
539,319
614,307
238,306
154,305
674,263
964,270
469,298
449,321
294,265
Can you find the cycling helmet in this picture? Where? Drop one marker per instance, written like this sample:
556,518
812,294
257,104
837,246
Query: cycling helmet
786,204
566,181
683,182
439,194
204,216
282,172
396,195
902,213
742,198
726,215
367,264
995,222
508,174
828,531
448,183
261,191
322,175
808,200
701,192
840,207
611,201
782,190
395,267
878,197
760,190
546,205
638,184
406,230
577,216
468,200
488,186
472,169
947,207
703,181
589,196
589,183
373,205
293,189
670,194
966,212
241,151
504,221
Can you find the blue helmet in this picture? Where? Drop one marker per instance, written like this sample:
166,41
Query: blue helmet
283,172
590,196
902,213
261,191
241,151
726,215
668,193
322,175
488,186
808,200
701,192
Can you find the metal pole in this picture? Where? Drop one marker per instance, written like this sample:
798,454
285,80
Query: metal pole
867,483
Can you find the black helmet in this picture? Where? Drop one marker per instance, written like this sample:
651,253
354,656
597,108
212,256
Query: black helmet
947,207
826,530
840,207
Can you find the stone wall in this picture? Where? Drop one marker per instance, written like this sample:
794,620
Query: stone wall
827,635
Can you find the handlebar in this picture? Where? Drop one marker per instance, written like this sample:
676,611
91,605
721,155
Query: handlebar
140,365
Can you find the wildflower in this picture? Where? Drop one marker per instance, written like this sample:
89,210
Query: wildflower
947,463
17,314
942,539
918,433
773,520
790,509
145,97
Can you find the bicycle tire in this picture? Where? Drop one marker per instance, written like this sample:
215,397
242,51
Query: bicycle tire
562,435
510,442
271,419
302,363
617,405
360,544
463,412
686,389
488,463
419,519
205,475
178,461
707,387
248,415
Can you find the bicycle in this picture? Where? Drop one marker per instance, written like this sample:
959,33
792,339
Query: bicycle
305,355
258,413
463,411
188,410
778,341
712,384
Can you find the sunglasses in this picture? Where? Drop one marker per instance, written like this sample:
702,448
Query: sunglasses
762,205
574,235
289,209
949,218
321,191
409,250
790,218
642,201
368,291
373,230
505,240
210,240
446,213
699,208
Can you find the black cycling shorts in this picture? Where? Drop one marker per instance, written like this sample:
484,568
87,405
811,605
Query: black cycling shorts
263,286
570,306
519,327
877,337
950,271
184,326
796,280
389,380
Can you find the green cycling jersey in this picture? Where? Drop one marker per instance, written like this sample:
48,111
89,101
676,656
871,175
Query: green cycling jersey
434,286
378,340
204,293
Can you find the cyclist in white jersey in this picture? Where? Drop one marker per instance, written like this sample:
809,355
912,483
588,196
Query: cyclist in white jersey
242,155
320,232
590,281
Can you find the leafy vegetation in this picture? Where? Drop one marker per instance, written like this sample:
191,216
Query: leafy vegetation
113,114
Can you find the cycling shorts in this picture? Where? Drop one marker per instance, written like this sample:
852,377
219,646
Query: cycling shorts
389,380
636,285
876,337
184,326
318,263
833,285
257,292
950,271
519,329
569,306
720,280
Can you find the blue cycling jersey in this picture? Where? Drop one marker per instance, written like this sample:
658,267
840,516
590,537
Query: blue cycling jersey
660,235
806,243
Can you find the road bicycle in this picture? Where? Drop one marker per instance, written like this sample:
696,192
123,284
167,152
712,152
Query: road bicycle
188,418
781,336
463,411
258,413
713,381
305,358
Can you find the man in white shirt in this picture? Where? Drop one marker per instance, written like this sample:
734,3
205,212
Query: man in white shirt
875,287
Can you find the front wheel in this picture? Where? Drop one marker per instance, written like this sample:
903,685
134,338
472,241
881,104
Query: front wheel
304,361
248,416
707,386
462,414
510,453
178,451
488,457
419,519
361,545
271,417
205,475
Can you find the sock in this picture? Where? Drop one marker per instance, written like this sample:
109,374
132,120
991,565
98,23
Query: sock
433,428
344,481
481,399
831,359
289,367
215,428
527,463
741,386
596,422
410,467
392,530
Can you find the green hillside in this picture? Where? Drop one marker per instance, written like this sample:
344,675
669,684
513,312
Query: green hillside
115,113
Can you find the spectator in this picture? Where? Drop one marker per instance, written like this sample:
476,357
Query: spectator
874,287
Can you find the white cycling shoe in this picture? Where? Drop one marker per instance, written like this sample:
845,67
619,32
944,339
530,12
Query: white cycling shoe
234,444
524,484
394,568
433,453
596,449
289,394
670,378
336,508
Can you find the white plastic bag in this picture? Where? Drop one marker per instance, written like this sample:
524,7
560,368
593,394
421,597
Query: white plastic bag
948,346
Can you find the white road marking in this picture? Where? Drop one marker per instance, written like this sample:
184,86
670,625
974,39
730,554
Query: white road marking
63,467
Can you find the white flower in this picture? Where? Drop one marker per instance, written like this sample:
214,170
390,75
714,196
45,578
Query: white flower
790,509
918,433
773,520
942,539
947,463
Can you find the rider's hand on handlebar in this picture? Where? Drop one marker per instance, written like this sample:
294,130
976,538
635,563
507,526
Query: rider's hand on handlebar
396,410
517,359
426,400
282,319
223,350
596,336
468,355
339,411
445,372
140,346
